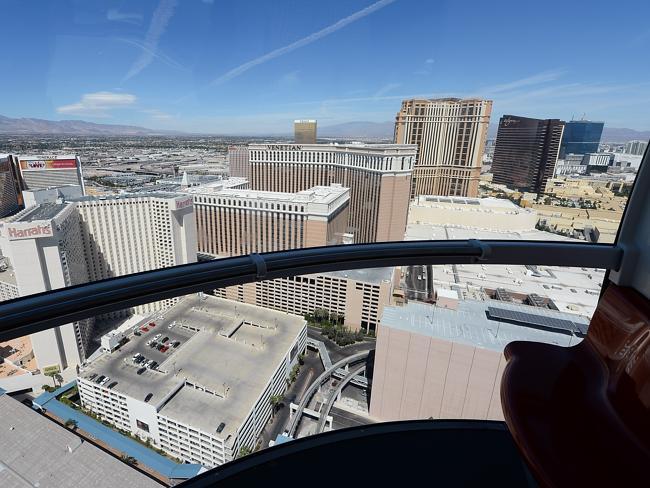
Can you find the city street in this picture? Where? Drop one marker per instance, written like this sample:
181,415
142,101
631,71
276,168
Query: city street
342,419
416,281
309,371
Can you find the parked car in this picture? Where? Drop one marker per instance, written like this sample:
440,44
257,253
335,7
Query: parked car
112,385
153,364
152,324
138,333
148,397
92,376
145,329
165,339
175,344
153,344
142,370
100,379
171,325
164,349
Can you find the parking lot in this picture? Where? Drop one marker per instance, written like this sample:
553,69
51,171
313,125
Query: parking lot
139,343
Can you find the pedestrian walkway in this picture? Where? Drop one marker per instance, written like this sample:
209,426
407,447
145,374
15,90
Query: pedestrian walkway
163,465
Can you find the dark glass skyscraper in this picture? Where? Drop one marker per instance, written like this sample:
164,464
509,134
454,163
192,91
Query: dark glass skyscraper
581,137
526,151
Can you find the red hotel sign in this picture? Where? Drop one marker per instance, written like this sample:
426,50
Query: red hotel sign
38,164
27,232
183,203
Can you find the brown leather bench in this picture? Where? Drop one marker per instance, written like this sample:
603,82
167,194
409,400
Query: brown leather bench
581,415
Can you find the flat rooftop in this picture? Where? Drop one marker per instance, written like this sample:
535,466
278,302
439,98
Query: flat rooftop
367,275
35,451
44,211
336,146
125,196
316,194
572,289
471,325
471,204
231,351
418,231
8,275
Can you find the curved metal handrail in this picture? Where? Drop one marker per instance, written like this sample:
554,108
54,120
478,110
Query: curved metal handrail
42,311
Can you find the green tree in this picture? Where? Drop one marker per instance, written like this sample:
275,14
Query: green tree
129,459
71,424
58,379
275,401
244,451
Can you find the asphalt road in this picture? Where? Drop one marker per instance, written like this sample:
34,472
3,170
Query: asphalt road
415,281
342,419
308,373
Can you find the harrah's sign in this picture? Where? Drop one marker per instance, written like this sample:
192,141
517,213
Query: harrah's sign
184,203
37,230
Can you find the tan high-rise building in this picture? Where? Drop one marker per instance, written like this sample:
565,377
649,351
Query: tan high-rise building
304,131
238,165
233,222
378,176
359,296
450,134
432,361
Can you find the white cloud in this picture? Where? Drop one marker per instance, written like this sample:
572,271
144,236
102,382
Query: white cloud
158,54
98,104
289,80
537,79
233,73
129,18
385,89
161,17
158,115
426,69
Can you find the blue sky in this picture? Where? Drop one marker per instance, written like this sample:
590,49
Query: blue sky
253,66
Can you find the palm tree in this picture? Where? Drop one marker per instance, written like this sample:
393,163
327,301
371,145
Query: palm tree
275,400
57,379
244,451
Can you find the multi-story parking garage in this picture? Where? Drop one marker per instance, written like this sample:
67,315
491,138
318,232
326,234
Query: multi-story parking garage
209,397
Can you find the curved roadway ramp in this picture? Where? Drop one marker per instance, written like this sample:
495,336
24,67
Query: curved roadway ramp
355,358
330,401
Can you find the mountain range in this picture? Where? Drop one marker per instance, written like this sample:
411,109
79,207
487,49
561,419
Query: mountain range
24,126
362,130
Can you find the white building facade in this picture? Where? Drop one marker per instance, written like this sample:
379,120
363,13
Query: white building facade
133,233
211,396
44,247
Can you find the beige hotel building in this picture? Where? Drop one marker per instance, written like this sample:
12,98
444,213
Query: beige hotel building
378,176
359,295
445,361
450,135
233,222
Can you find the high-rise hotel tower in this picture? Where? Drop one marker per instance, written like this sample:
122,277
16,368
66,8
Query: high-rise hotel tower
378,176
450,134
